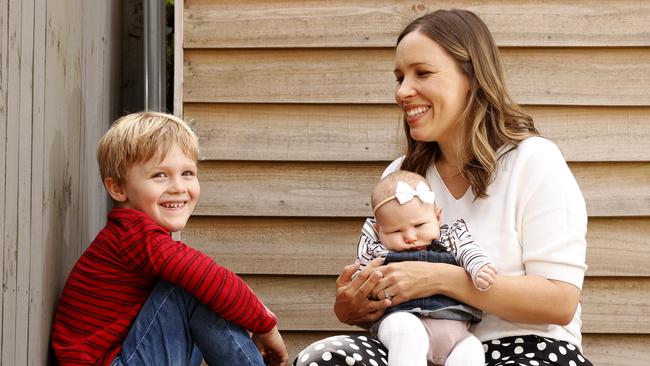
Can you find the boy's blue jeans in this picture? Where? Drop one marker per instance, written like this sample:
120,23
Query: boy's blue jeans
174,328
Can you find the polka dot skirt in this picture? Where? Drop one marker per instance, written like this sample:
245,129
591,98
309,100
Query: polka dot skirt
532,351
344,350
361,350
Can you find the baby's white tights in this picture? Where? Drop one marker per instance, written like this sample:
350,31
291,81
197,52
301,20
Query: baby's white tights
407,341
405,338
468,352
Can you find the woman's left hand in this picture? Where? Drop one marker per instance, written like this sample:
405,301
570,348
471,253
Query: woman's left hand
404,281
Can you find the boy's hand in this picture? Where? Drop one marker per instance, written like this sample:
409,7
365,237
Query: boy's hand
485,277
272,347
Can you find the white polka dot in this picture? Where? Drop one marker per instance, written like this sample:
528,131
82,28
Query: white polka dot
326,356
304,357
519,340
341,352
505,358
572,363
371,353
357,357
313,364
376,341
530,355
552,357
354,346
382,352
496,341
581,358
496,355
534,363
562,350
319,347
349,361
571,347
349,340
510,362
519,350
485,347
366,344
337,343
384,361
541,346
373,362
506,344
363,338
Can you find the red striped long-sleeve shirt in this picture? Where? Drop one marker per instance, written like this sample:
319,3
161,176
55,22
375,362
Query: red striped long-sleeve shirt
113,278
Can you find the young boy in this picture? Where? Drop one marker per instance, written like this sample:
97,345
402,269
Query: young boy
407,228
136,296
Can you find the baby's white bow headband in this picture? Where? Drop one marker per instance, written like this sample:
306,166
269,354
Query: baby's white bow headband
404,193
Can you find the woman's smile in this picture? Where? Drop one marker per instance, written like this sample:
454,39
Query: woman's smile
414,114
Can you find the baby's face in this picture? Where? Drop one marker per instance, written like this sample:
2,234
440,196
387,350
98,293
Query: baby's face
412,226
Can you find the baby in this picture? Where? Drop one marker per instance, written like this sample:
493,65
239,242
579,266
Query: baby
407,228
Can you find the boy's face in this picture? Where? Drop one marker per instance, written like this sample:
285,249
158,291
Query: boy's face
166,190
411,226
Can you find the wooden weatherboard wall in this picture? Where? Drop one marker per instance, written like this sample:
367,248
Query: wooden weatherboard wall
58,78
292,101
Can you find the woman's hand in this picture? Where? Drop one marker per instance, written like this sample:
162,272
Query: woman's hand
272,347
352,305
404,281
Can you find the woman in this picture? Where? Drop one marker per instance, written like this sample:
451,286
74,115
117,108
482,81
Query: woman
488,166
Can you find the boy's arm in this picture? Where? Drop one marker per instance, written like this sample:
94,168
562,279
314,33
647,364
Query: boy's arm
470,255
220,289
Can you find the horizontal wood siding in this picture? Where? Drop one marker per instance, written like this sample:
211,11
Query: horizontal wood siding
375,23
360,132
293,104
559,76
282,245
243,188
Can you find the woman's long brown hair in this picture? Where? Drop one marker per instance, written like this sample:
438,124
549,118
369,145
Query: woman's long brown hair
491,118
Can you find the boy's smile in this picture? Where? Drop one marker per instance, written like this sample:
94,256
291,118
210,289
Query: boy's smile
166,190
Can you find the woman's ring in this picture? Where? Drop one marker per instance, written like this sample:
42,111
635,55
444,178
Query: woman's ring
386,295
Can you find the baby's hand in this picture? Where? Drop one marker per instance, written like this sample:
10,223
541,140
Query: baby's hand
485,277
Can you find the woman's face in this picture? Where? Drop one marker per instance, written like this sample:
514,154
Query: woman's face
430,88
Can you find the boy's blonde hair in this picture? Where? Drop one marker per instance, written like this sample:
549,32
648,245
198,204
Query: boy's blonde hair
140,136
387,185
